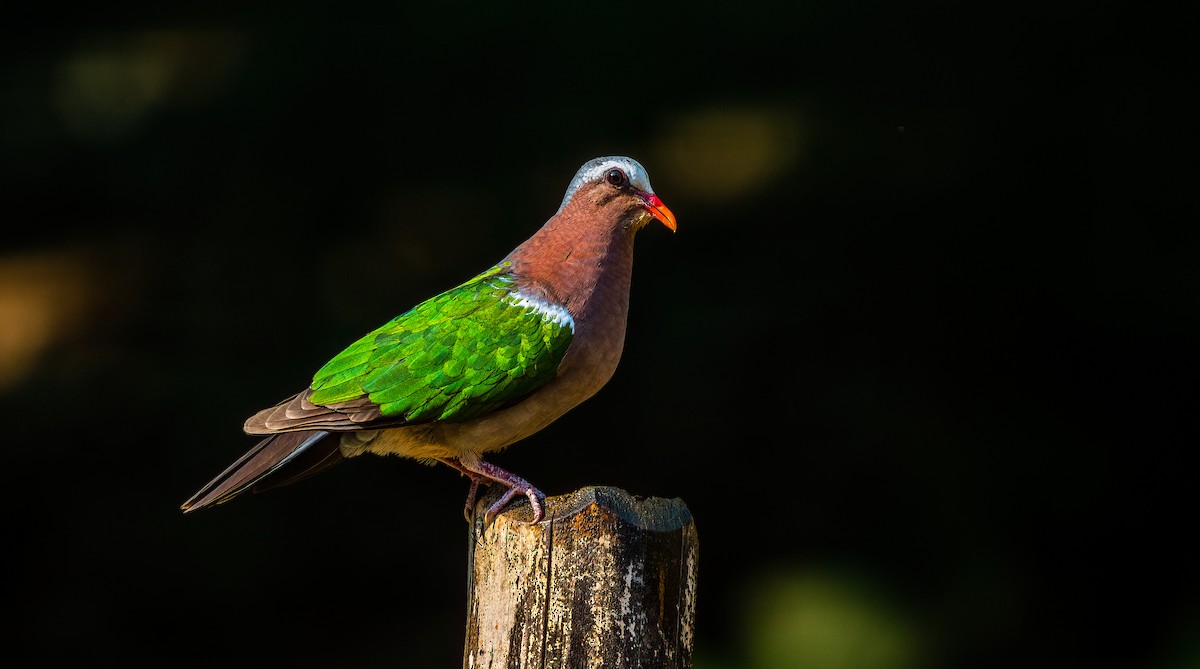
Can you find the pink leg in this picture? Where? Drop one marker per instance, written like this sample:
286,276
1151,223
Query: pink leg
516,485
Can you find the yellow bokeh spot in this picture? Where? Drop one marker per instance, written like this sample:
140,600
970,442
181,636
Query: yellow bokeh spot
722,154
44,300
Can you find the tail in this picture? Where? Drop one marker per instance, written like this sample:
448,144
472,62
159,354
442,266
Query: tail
278,460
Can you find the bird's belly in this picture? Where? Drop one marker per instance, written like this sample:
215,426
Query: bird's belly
469,440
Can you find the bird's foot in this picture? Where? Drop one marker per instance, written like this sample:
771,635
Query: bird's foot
536,497
473,493
469,509
485,473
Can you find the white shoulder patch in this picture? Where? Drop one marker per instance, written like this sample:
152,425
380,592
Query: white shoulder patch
549,311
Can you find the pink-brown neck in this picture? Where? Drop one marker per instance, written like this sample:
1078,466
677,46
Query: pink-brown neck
582,258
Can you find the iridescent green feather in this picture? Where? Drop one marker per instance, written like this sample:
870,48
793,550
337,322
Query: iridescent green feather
461,354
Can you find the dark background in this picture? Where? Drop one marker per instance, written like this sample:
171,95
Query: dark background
921,358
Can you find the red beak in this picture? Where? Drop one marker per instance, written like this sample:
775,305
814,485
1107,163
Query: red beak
659,210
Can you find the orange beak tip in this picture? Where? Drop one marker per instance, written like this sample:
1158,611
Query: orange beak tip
660,211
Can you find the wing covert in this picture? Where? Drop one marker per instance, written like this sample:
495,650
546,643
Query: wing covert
475,348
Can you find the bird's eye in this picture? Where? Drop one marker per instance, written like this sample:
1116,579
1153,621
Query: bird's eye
616,178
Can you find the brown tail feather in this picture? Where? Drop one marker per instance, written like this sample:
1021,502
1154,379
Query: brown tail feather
313,460
286,455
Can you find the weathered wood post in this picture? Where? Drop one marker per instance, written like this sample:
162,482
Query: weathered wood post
605,580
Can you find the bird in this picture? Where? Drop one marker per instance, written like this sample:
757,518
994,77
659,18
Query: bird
477,368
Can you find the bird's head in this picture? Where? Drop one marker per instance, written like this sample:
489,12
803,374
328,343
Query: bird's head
618,181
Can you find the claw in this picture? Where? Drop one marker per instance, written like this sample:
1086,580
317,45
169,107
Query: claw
476,479
535,500
536,497
485,473
469,509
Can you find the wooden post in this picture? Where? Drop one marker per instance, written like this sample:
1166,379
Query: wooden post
603,580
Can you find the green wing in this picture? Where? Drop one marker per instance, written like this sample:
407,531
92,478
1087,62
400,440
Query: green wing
468,351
